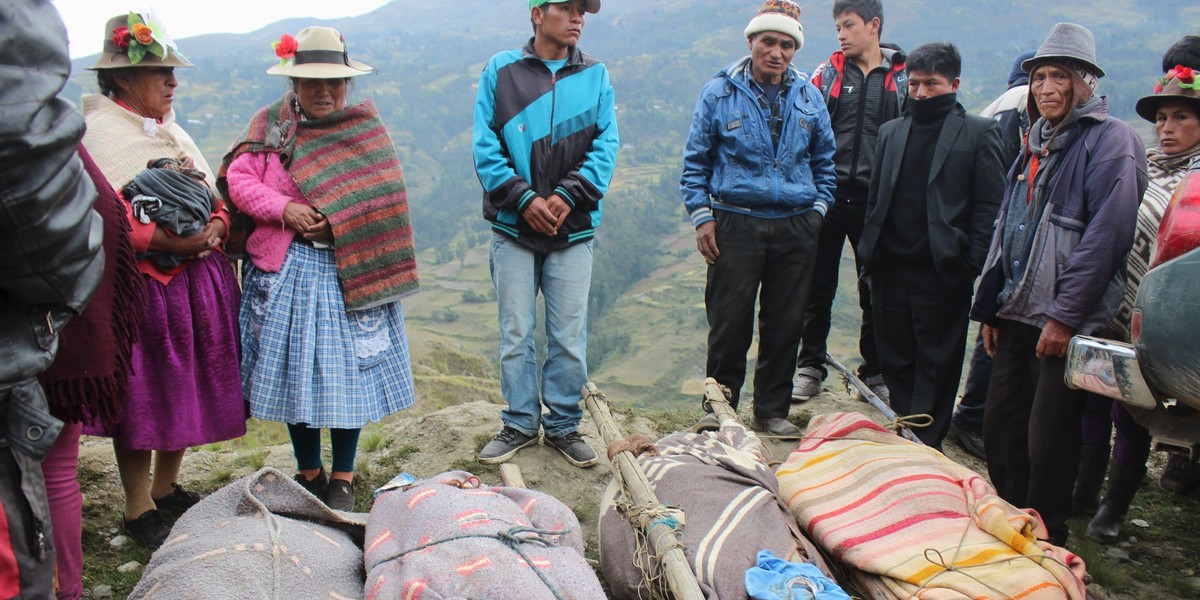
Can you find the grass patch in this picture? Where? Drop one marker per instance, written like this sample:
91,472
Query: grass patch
374,441
473,466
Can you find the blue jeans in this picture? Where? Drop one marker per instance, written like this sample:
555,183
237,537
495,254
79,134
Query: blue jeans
564,278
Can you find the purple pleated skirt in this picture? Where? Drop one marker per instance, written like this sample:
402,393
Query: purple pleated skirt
186,388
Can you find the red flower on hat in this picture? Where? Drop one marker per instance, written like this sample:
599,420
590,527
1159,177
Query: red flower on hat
286,47
1184,74
121,37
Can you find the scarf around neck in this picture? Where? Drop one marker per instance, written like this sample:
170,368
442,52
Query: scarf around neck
346,165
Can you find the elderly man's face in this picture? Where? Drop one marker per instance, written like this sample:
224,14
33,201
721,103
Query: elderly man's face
770,54
1051,88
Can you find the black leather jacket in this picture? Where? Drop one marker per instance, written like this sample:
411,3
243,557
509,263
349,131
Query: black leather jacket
50,238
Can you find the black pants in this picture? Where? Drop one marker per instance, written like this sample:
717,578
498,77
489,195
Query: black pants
1032,428
844,221
921,334
773,260
969,415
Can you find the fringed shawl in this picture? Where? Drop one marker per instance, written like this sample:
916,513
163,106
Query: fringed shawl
346,165
89,376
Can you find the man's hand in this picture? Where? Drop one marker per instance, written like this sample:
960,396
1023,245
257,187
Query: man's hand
706,242
1054,339
540,217
991,335
559,208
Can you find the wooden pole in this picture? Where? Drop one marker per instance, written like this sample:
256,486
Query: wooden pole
718,402
637,488
511,475
870,396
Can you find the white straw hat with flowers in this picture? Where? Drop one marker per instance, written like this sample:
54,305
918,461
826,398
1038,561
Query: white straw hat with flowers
316,53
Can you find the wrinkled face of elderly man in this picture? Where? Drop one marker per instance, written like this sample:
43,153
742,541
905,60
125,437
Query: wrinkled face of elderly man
770,54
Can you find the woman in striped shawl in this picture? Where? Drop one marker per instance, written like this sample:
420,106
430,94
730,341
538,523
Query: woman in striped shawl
330,257
1174,108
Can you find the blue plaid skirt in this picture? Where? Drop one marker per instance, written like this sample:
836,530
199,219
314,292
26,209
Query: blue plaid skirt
306,360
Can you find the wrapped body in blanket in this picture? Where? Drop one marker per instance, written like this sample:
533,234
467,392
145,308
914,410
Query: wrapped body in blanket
450,537
924,525
262,536
723,485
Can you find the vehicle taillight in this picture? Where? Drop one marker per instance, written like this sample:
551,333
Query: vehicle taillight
1135,326
1179,230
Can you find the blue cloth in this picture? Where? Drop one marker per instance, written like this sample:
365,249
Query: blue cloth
729,162
564,278
306,360
777,579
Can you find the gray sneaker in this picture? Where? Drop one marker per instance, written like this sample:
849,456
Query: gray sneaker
577,451
879,388
778,427
806,385
505,445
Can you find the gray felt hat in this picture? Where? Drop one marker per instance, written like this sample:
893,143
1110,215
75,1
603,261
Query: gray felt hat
1066,41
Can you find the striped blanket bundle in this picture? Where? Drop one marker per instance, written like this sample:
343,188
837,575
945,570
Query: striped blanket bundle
346,165
727,493
926,526
450,537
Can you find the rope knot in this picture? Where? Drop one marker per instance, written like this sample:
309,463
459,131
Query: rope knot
636,444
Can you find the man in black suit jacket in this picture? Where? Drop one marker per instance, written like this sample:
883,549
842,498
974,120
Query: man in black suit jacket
935,191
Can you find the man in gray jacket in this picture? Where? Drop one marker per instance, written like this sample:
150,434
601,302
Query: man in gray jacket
1055,268
50,264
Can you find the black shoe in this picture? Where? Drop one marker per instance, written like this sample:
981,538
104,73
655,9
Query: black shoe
315,486
340,495
148,530
708,422
177,502
577,451
505,445
970,441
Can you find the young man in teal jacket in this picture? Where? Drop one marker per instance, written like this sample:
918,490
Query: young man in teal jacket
758,177
545,145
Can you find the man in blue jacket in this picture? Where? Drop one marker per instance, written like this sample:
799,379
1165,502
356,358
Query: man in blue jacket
545,144
758,177
1056,268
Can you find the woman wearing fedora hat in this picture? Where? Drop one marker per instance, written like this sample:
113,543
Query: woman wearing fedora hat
183,389
1174,109
331,255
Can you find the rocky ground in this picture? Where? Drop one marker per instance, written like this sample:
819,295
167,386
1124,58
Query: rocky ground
425,445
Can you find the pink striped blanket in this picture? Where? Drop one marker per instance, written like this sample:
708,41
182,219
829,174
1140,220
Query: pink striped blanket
928,527
450,537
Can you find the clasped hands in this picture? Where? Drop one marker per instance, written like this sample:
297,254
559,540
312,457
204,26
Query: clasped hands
546,215
308,222
194,246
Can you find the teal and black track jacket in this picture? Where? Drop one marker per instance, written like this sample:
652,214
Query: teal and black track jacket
538,134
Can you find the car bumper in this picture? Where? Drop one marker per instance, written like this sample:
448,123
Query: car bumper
1108,368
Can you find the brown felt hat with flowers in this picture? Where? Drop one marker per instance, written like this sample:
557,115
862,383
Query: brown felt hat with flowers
1179,83
316,53
137,40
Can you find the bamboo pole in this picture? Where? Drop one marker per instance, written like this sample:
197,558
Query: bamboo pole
680,578
870,396
716,399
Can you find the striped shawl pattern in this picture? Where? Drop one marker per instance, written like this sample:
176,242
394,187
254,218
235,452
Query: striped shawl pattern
346,165
727,493
904,512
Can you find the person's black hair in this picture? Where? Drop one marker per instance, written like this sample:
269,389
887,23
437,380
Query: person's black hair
1185,52
106,80
937,57
867,9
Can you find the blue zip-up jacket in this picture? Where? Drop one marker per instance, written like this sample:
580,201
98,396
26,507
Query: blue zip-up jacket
730,164
538,134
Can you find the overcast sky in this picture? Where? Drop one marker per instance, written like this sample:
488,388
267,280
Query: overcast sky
85,19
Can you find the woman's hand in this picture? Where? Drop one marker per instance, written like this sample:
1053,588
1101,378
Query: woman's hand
194,246
301,217
321,231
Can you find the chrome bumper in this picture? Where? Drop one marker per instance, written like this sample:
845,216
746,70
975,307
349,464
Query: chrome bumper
1107,368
